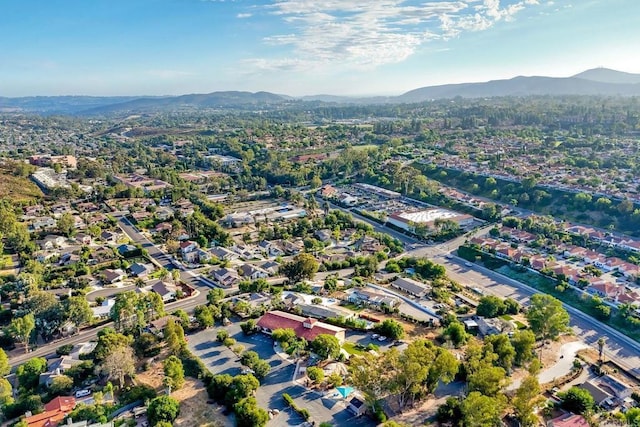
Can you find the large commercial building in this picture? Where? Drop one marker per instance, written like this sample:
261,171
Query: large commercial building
409,220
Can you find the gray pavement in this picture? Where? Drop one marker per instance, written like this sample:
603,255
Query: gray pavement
220,359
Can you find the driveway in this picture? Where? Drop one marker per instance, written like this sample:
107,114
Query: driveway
220,360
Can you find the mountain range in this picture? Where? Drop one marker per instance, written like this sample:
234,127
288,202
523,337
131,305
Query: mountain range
597,81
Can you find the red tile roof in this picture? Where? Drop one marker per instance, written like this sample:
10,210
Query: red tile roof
569,420
54,412
279,319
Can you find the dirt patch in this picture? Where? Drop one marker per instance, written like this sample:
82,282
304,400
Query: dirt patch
551,352
193,398
194,409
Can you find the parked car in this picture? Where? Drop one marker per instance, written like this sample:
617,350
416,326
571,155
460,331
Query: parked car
374,336
382,339
82,393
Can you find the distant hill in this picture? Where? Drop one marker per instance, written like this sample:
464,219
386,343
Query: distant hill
59,104
522,86
230,99
597,81
607,75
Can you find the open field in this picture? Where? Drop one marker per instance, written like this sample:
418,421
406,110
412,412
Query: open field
18,189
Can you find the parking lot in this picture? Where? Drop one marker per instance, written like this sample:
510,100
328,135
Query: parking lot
220,360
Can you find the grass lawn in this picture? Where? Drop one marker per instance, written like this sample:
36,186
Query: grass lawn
353,307
356,349
506,317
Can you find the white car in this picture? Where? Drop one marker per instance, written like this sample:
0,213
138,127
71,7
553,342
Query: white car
382,339
468,264
82,393
374,336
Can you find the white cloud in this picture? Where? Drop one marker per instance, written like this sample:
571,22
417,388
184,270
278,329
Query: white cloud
244,15
368,33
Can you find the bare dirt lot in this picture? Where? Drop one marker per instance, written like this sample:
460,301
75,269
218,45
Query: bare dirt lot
194,409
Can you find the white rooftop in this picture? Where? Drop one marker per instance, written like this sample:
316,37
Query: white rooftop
428,215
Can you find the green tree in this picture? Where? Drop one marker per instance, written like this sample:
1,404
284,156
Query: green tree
249,414
261,369
249,358
315,374
203,316
219,387
482,411
523,342
490,306
29,373
546,316
6,392
21,328
326,346
303,266
108,341
66,224
241,386
60,385
577,400
632,416
215,295
503,348
528,397
119,364
77,310
174,371
391,328
163,408
174,336
5,366
456,334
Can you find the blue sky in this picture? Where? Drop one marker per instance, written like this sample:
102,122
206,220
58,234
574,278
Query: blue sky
303,47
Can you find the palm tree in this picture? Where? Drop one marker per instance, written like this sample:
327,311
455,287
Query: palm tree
601,343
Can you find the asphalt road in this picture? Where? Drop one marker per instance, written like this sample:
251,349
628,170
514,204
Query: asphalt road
623,349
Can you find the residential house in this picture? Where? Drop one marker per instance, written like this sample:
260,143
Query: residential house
47,255
51,241
127,250
606,290
165,289
68,259
323,311
367,297
306,328
113,276
103,311
271,249
111,237
271,267
44,223
163,227
83,239
251,272
141,270
488,326
412,287
292,248
188,251
357,406
55,368
226,277
223,254
54,413
323,235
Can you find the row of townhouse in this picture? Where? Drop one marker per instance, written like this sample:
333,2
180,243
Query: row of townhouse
574,275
